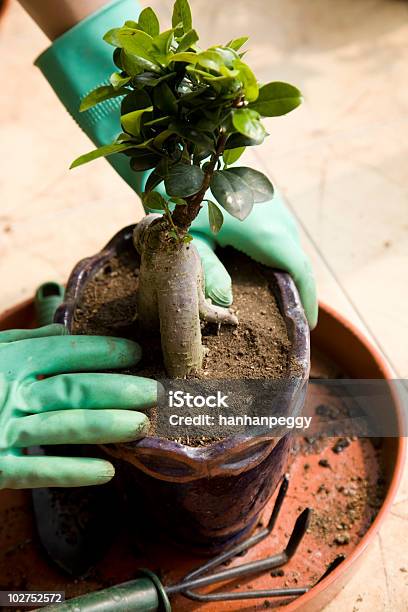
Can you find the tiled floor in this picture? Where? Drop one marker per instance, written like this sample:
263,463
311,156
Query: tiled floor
340,159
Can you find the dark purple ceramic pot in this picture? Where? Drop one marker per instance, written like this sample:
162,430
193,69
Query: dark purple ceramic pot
204,498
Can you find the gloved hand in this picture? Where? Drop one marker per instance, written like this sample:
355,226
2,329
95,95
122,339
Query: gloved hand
67,407
270,236
80,61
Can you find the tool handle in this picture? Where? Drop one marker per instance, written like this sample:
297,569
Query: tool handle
47,299
144,594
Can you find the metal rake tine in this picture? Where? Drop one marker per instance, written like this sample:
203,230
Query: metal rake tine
335,563
249,542
263,594
278,503
253,567
285,592
299,530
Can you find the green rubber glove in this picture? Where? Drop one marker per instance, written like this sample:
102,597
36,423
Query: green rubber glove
70,406
270,236
80,61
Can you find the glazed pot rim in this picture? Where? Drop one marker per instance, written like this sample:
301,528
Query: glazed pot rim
298,331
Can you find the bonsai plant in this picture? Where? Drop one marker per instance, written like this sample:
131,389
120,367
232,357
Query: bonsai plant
187,115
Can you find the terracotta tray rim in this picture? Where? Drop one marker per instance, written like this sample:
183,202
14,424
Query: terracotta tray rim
401,449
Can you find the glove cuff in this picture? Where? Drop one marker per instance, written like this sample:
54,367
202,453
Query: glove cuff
78,62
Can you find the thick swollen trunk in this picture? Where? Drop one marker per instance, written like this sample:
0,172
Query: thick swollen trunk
171,297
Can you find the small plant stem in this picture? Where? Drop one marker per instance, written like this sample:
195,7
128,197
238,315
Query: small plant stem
183,216
170,220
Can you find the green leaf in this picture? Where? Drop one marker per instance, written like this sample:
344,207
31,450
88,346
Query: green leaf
105,151
156,177
143,160
148,22
277,99
249,82
149,79
178,201
233,155
117,58
189,39
182,15
261,186
164,99
106,92
188,57
184,180
215,217
228,56
201,156
236,141
163,44
207,124
192,135
118,81
211,60
247,122
132,24
232,193
162,137
159,122
131,121
136,42
237,43
133,65
154,200
135,100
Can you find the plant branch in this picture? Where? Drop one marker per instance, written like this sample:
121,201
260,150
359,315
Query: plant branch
183,216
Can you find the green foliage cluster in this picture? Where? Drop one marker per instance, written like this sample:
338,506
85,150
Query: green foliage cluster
188,114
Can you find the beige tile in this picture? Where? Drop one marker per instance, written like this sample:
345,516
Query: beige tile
402,494
49,217
367,590
395,560
355,211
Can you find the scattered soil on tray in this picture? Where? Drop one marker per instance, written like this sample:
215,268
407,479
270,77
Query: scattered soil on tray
345,498
258,348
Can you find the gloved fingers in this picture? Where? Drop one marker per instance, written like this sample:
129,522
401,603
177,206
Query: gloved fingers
76,427
78,354
287,254
274,242
14,335
306,285
95,391
218,285
281,212
34,472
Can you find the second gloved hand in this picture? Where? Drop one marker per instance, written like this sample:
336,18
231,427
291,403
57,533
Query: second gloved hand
70,406
270,236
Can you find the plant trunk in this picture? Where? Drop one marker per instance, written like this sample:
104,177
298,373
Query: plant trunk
171,296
